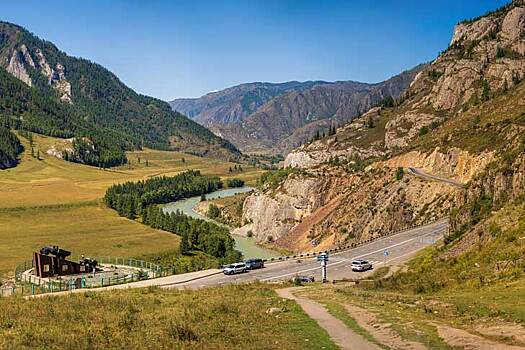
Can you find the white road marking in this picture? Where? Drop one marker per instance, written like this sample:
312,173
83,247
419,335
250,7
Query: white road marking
346,259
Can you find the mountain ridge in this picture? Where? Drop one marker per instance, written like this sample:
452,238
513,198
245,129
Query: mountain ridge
280,121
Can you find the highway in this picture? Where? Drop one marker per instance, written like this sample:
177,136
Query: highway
399,247
424,175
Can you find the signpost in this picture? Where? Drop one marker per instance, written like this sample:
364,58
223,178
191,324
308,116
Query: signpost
386,253
323,258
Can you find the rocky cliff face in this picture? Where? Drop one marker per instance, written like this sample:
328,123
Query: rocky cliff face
18,60
461,116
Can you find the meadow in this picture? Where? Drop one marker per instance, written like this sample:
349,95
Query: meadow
151,318
50,201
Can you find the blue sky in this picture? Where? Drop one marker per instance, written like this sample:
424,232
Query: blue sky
183,48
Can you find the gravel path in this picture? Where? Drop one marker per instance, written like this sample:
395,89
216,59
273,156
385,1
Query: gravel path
341,335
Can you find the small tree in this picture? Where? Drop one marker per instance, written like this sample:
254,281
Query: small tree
213,211
400,173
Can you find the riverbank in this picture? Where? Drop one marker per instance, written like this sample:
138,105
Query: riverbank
247,246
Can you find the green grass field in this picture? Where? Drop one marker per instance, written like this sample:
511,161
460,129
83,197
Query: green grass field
231,317
50,201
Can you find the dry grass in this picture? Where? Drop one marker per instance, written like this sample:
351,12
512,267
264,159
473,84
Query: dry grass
232,317
50,201
88,228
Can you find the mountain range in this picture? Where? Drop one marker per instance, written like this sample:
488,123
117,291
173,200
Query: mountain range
277,117
46,91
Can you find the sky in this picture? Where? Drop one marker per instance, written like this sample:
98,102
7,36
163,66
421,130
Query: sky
186,48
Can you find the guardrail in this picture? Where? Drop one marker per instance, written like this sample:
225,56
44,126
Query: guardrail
351,245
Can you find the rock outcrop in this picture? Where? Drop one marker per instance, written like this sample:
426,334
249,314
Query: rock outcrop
17,69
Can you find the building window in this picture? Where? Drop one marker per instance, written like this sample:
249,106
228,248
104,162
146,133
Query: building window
46,268
64,268
82,268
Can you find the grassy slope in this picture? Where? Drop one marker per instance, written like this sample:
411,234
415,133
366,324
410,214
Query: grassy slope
212,318
50,201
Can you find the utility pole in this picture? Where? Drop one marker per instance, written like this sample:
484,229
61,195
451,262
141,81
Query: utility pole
323,258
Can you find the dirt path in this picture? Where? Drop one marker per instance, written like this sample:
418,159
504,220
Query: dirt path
468,341
383,332
341,335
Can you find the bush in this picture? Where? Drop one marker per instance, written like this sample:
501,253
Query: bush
249,234
400,173
234,183
213,211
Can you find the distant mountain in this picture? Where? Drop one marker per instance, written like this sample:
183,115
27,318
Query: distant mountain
233,104
275,118
59,95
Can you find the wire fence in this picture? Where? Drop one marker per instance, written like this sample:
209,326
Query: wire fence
116,271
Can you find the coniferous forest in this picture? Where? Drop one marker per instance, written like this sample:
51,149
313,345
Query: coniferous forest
141,199
10,147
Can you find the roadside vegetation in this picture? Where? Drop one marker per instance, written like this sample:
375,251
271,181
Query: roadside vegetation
211,318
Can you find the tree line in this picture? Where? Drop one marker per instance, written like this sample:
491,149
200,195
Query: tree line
10,147
142,199
130,198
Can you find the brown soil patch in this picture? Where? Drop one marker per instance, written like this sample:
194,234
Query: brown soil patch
297,239
515,332
468,341
383,332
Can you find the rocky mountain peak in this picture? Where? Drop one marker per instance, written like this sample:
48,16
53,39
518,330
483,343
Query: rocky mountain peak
18,61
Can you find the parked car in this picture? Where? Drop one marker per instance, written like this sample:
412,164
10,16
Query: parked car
361,265
252,264
303,279
233,269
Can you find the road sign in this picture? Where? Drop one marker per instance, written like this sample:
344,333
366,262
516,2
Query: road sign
322,257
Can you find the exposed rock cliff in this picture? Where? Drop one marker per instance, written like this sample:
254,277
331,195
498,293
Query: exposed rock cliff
460,118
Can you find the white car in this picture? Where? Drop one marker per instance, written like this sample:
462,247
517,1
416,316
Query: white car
233,269
361,265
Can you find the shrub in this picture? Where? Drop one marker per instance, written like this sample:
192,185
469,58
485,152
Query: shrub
235,183
400,173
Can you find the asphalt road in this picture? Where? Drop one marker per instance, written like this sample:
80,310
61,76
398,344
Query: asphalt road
422,174
399,247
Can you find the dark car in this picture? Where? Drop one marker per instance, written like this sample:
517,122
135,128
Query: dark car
303,279
252,264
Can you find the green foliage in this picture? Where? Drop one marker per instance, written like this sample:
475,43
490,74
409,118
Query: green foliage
104,110
234,183
272,179
197,235
213,211
400,173
496,12
129,198
485,92
10,147
387,102
423,131
133,199
434,75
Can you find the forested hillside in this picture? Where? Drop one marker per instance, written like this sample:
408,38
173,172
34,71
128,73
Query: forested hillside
52,93
10,147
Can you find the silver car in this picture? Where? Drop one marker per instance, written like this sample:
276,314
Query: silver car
361,265
233,269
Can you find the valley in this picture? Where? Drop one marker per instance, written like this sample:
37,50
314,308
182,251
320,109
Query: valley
410,193
51,201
